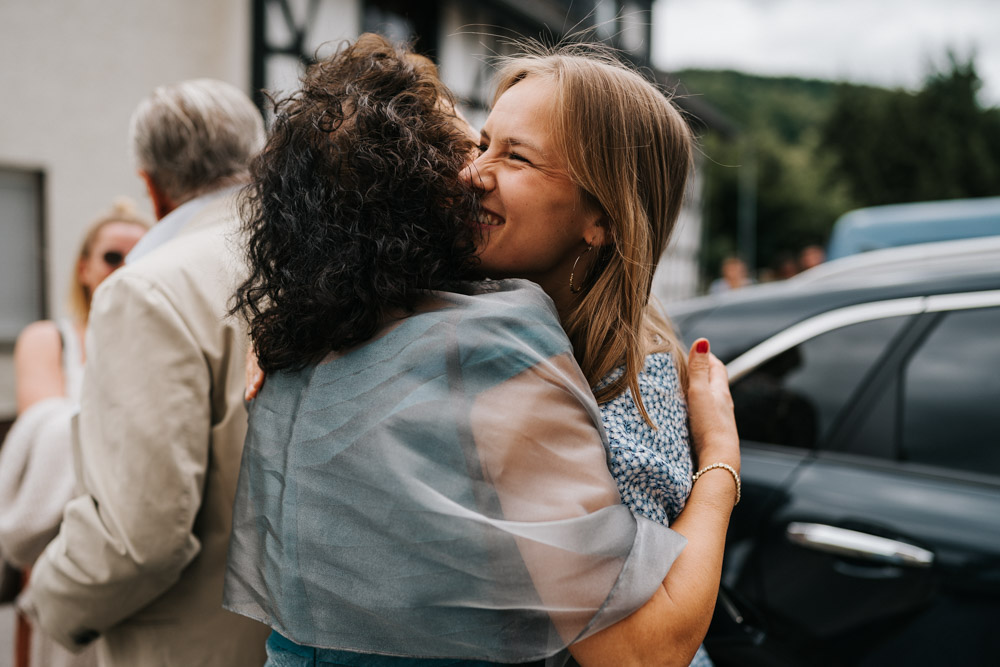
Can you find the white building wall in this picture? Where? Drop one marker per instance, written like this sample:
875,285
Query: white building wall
467,48
72,72
334,22
458,61
676,276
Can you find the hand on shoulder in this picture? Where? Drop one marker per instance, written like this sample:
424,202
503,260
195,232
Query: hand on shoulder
254,376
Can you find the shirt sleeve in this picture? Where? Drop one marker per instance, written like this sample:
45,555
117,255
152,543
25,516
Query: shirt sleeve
143,441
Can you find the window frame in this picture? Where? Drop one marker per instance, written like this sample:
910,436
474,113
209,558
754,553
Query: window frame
937,316
865,312
925,312
41,277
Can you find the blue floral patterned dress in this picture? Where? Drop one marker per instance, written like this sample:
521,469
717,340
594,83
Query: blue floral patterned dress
652,467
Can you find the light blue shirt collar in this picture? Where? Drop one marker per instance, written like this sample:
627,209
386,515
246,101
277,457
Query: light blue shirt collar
172,223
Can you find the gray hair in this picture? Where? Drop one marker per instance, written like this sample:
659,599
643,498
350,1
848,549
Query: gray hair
195,136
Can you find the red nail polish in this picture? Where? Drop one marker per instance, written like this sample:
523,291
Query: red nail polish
701,347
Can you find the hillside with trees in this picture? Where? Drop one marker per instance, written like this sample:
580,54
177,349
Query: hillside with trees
808,151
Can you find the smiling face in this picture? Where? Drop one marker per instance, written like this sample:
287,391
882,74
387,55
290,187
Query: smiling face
535,221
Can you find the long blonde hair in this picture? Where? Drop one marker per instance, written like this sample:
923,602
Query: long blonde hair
630,151
122,210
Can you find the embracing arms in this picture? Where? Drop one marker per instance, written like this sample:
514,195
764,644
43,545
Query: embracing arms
543,457
542,454
669,627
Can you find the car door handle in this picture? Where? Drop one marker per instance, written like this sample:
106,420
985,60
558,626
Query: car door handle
844,542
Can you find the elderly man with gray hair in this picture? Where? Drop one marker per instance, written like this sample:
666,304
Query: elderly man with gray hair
138,563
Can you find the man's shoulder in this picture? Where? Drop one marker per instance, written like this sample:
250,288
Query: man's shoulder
206,256
194,274
211,235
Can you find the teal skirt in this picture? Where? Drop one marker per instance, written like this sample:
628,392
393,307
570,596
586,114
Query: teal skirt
283,652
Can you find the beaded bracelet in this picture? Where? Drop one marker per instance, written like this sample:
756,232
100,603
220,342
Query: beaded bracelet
721,466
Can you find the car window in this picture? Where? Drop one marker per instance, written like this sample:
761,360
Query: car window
951,394
794,398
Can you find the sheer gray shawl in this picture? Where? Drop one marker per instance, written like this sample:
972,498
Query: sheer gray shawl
440,492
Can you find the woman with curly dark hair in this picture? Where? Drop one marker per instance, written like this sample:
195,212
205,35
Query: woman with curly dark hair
347,211
425,479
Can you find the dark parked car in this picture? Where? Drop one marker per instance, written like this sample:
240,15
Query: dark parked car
867,394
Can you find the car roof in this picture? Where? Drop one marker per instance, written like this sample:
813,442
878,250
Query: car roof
735,321
924,259
919,222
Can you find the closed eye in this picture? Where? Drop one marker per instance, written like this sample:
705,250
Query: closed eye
484,146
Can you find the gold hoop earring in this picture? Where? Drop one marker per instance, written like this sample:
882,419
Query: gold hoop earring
573,288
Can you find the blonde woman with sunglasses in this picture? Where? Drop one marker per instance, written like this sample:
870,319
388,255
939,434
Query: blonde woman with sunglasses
36,463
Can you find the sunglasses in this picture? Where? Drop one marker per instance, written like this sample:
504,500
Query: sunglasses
113,258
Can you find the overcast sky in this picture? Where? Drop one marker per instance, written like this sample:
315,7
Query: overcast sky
885,42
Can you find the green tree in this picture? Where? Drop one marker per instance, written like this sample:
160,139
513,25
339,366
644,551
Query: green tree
778,143
816,149
895,146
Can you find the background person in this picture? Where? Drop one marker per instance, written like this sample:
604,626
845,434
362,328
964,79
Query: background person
810,256
787,265
139,558
36,460
734,276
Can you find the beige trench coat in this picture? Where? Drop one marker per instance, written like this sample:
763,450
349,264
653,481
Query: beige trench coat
139,559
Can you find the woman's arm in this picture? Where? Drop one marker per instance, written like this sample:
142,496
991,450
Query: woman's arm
38,364
668,629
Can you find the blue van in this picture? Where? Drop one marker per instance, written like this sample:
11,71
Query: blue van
905,224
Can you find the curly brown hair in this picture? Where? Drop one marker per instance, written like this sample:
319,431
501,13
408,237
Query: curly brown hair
355,208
